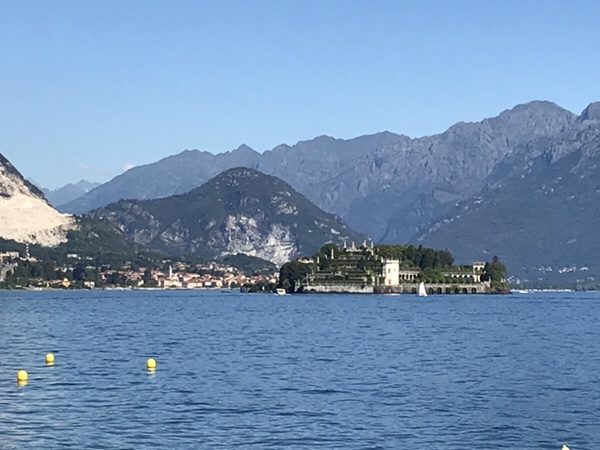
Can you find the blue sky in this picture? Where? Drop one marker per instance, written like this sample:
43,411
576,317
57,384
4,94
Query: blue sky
88,88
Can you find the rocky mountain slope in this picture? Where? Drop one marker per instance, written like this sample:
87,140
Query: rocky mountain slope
25,215
539,210
69,192
239,211
386,185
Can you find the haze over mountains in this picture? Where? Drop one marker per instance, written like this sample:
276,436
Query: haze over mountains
69,192
399,189
389,186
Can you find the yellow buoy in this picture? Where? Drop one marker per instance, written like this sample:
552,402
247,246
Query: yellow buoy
49,359
22,377
151,364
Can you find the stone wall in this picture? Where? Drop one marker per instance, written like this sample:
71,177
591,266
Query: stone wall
441,288
339,288
407,288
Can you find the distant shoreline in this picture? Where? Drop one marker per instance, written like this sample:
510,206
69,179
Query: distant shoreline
227,290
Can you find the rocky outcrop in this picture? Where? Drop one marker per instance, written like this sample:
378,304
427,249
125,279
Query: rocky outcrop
25,215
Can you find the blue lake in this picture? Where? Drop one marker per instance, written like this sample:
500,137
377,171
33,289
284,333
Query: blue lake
261,371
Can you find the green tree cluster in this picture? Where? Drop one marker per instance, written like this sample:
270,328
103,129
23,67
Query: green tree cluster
420,256
326,256
495,272
292,274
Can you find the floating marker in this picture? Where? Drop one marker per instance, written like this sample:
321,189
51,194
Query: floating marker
50,359
151,364
22,377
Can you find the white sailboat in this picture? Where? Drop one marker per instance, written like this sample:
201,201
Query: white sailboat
422,290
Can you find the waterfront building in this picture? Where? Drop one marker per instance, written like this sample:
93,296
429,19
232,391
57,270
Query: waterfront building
409,274
478,269
391,272
362,269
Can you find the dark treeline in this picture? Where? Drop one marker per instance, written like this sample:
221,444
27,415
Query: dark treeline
495,272
420,256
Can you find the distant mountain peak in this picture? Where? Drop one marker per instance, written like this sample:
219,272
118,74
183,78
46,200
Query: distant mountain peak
538,108
69,192
592,112
245,179
539,104
189,153
83,184
234,175
245,148
319,140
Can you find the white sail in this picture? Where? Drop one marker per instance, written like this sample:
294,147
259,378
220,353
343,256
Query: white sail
422,291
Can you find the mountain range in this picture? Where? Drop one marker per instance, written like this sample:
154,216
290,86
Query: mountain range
432,190
389,186
519,185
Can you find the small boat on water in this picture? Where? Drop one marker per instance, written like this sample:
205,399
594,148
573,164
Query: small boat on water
280,291
422,291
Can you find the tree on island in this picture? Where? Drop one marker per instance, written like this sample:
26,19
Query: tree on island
326,255
420,256
292,274
495,272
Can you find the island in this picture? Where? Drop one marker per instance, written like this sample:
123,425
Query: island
390,269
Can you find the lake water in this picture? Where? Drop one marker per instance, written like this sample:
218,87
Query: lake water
261,371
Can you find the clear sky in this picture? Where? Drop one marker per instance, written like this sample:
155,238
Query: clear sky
88,88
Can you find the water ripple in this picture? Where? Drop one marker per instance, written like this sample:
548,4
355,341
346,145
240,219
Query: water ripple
258,371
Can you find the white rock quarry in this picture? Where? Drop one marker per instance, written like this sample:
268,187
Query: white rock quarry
25,216
243,236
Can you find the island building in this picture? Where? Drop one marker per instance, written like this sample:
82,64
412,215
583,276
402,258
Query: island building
361,269
395,275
